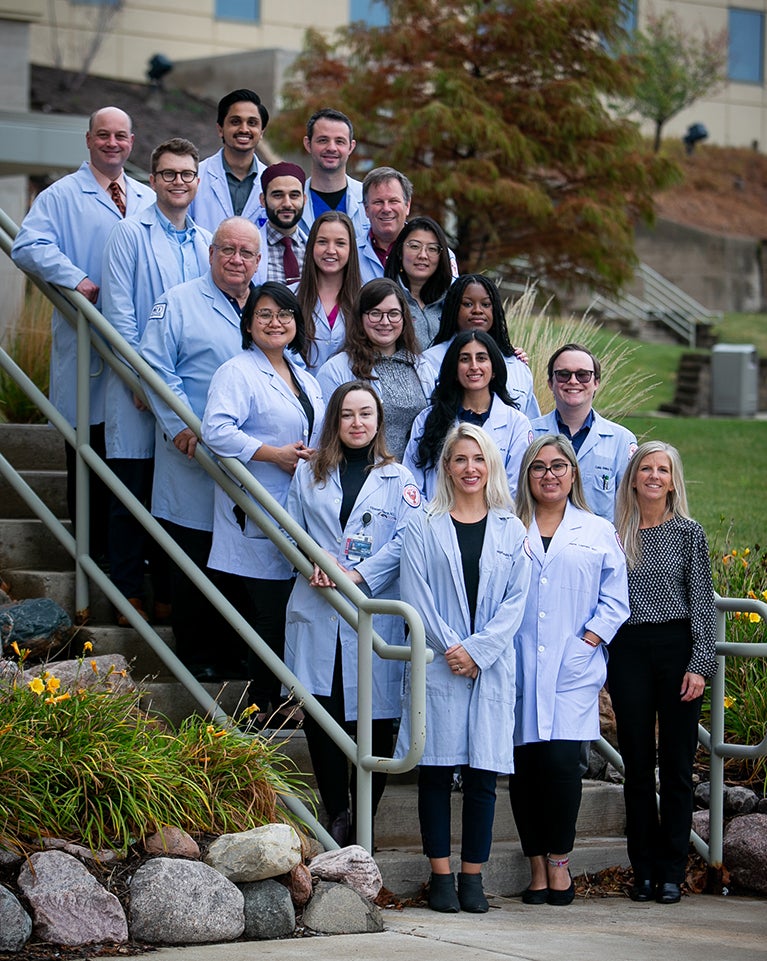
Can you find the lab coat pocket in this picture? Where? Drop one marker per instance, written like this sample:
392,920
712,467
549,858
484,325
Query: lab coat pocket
582,665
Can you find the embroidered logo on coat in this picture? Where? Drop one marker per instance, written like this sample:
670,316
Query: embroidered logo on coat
158,312
411,495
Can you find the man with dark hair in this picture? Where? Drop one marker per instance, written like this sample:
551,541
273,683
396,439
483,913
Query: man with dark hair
145,256
62,241
603,448
386,195
330,142
284,244
229,179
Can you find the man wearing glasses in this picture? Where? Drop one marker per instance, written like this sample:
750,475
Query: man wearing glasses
192,329
603,448
145,255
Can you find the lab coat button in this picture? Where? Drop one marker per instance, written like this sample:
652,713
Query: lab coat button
544,580
541,614
541,648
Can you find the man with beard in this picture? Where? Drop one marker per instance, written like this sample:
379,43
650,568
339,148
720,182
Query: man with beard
283,199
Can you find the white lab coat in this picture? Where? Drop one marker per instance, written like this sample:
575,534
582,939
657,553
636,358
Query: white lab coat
602,459
62,241
509,428
391,499
249,405
191,331
519,381
328,340
213,202
139,265
467,721
579,584
355,209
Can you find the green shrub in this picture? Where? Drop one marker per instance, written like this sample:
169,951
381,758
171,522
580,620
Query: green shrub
28,343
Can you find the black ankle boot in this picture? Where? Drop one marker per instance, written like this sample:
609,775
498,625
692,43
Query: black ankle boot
442,896
470,894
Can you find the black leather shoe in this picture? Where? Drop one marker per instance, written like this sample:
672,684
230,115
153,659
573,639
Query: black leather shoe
668,893
535,895
642,890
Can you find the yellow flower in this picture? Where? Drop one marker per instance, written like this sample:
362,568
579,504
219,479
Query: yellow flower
87,647
744,563
15,648
754,617
726,559
94,667
751,595
36,685
734,553
747,551
250,709
764,595
210,729
52,685
222,733
729,701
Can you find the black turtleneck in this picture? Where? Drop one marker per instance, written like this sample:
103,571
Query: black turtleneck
353,471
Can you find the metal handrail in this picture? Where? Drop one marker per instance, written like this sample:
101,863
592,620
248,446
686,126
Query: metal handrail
299,548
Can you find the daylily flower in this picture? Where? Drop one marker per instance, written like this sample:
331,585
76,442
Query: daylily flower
87,647
36,685
754,617
52,685
94,667
728,701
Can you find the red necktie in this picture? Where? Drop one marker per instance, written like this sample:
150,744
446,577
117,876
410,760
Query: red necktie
116,194
290,262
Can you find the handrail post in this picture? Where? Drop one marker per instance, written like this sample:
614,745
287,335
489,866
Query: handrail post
82,473
364,807
716,784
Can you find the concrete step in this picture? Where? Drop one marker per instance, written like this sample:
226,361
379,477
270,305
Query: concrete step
32,447
49,485
28,544
145,665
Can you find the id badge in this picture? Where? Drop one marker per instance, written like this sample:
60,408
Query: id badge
358,547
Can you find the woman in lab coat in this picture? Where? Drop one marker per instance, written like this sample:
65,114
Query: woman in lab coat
266,411
355,501
471,388
577,601
465,570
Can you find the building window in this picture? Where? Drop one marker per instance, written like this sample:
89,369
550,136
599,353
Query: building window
745,60
249,10
371,12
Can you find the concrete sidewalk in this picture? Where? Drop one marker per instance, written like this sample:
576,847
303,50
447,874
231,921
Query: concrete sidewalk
700,928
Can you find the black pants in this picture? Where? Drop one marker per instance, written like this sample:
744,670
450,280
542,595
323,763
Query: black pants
645,671
545,792
99,495
435,785
130,547
263,604
331,766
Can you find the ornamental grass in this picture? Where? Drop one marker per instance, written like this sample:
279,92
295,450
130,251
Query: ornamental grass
88,765
28,343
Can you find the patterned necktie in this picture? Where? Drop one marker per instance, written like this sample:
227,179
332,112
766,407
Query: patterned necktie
290,262
116,194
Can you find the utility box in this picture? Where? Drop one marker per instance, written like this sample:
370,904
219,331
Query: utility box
734,380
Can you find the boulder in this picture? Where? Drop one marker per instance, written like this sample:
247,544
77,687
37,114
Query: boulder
15,923
745,851
173,841
80,851
700,825
255,855
184,902
110,672
739,800
608,727
299,883
338,909
352,865
269,910
69,906
38,624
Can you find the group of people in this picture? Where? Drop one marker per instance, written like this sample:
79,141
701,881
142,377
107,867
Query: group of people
327,342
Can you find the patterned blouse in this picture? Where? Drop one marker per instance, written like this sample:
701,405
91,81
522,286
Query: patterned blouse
672,581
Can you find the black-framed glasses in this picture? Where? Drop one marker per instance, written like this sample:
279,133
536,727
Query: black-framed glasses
229,251
284,315
394,316
415,247
558,468
169,176
582,376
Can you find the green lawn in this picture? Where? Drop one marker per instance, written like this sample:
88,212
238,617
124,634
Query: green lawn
744,329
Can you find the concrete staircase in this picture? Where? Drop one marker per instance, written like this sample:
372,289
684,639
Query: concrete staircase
693,386
33,564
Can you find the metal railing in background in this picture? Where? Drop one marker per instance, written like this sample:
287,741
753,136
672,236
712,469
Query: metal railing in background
300,549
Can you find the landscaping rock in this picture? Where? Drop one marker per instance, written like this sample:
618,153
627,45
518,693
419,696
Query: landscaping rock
38,624
172,841
299,883
739,800
9,858
703,794
745,851
339,909
184,902
108,672
15,923
69,906
761,807
268,910
352,865
608,726
701,825
255,855
80,851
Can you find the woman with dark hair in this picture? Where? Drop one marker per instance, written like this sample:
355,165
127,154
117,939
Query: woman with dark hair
355,501
419,260
473,303
329,285
265,410
578,599
471,388
659,662
381,348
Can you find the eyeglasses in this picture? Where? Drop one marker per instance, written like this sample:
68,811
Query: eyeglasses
433,250
558,469
169,176
582,376
228,251
376,315
284,315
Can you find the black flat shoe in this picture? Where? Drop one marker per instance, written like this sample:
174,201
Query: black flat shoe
561,899
535,895
442,894
668,893
643,890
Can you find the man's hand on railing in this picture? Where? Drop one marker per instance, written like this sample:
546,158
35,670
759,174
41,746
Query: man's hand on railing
320,579
88,289
138,403
186,441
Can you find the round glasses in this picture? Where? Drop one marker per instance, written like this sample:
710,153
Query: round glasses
169,176
433,250
558,468
228,251
284,316
582,376
376,315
